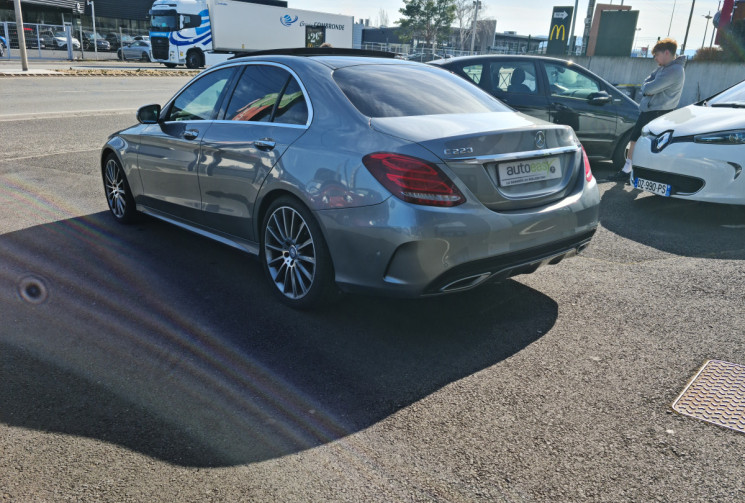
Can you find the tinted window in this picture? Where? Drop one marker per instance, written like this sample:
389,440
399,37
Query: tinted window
292,108
199,100
401,90
257,92
513,77
474,72
570,83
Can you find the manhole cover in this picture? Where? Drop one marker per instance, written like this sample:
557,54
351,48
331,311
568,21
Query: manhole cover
716,395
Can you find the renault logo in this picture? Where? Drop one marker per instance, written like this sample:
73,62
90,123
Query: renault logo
540,139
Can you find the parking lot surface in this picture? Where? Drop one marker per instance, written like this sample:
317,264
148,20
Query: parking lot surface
146,363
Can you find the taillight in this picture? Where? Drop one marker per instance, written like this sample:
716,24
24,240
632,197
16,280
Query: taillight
588,171
413,180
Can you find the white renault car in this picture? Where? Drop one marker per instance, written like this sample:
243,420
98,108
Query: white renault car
696,152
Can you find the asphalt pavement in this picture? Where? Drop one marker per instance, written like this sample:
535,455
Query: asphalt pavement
145,363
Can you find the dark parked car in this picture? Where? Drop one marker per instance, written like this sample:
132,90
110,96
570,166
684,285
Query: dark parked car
116,42
101,43
557,91
362,174
32,41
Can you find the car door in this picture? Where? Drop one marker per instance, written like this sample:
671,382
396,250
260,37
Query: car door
169,151
266,113
579,100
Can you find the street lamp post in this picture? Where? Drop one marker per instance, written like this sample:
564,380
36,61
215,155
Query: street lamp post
21,35
95,35
708,16
476,4
685,40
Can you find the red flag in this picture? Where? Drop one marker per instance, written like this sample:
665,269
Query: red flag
724,19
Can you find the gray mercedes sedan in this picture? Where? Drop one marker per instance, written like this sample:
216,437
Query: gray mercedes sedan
359,174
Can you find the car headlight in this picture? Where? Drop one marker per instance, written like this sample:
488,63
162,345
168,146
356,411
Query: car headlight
722,138
662,141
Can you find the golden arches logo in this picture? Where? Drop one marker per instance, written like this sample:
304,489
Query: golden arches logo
556,30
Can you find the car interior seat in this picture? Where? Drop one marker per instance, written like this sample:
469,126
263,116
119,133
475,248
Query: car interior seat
517,82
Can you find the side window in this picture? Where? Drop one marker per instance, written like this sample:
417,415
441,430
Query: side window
292,108
514,77
199,101
257,92
570,83
474,72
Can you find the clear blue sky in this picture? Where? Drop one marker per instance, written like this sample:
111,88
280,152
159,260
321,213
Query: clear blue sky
533,17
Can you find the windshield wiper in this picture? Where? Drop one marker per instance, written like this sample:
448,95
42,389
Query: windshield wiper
728,105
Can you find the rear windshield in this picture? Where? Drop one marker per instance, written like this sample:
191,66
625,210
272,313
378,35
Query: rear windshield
408,90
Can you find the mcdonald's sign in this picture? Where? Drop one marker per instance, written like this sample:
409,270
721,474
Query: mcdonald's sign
558,34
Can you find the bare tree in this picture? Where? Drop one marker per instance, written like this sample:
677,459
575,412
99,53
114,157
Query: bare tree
383,18
464,20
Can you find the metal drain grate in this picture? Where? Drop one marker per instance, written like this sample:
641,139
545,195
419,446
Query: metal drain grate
716,395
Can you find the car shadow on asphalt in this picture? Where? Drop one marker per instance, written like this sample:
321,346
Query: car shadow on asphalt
154,339
672,225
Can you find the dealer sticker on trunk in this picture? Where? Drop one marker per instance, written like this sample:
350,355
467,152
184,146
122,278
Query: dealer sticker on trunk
527,171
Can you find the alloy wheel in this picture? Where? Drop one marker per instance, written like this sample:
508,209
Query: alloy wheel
116,190
290,252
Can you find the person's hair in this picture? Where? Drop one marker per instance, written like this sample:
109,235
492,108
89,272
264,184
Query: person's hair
666,44
326,44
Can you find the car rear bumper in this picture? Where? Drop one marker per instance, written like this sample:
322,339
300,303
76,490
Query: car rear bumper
395,248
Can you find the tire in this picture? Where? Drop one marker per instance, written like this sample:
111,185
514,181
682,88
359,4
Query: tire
619,154
194,60
118,194
145,57
2,51
294,255
170,65
120,55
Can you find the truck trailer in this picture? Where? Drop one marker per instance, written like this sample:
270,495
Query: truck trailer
196,33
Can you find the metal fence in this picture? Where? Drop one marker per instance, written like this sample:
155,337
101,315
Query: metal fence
48,41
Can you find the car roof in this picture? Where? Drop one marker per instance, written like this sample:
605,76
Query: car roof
501,57
332,61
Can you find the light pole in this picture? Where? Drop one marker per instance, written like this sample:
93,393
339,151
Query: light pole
708,16
95,35
671,18
476,4
685,40
633,44
21,35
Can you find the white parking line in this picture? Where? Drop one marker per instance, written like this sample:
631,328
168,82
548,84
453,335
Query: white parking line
53,115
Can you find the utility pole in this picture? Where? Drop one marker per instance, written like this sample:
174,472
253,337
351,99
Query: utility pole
685,40
21,35
476,4
708,16
671,18
95,35
572,39
713,29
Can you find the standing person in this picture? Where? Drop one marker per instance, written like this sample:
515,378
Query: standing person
661,94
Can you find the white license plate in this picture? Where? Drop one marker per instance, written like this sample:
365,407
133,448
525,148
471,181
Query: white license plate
535,170
660,189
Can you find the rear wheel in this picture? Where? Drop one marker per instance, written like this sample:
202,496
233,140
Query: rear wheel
294,255
118,194
170,65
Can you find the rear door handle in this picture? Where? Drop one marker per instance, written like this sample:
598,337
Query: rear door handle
191,134
265,144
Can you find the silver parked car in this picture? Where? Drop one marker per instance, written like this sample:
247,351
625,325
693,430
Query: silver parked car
139,49
352,173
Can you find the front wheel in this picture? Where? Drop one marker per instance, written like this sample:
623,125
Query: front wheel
118,194
145,57
120,54
193,60
619,155
170,65
294,255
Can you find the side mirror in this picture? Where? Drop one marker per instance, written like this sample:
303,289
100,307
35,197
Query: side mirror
149,114
600,98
